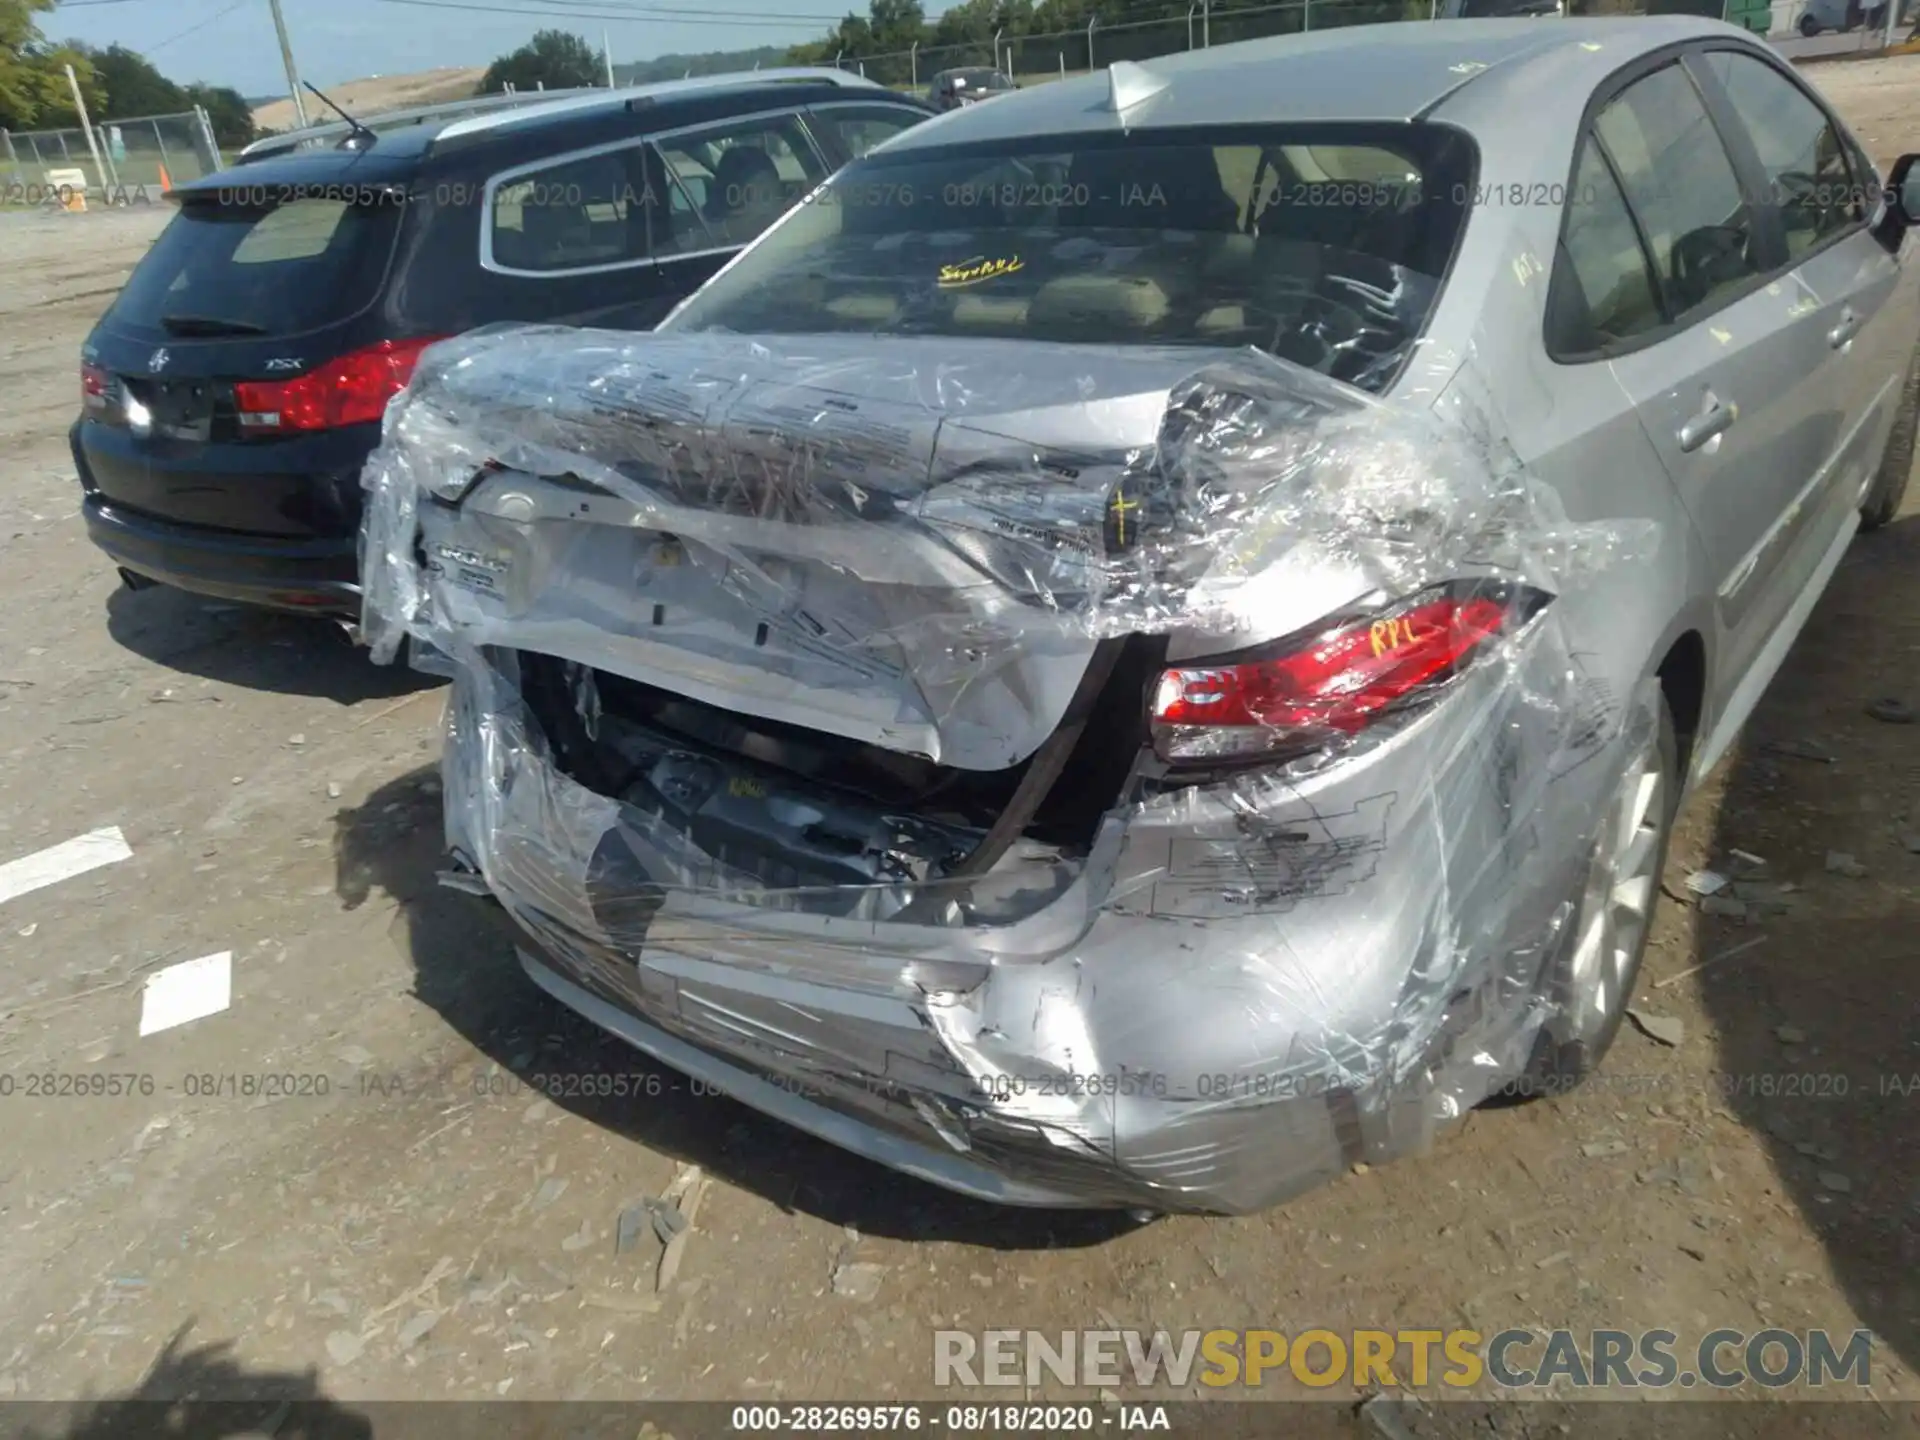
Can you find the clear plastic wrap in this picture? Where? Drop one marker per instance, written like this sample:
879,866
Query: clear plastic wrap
812,716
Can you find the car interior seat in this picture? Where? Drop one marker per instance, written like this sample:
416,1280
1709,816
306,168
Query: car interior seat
746,195
1156,187
554,237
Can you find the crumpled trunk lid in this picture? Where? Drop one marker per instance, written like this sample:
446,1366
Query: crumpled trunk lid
841,534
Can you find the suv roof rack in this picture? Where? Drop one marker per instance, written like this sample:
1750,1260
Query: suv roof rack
314,136
586,102
483,112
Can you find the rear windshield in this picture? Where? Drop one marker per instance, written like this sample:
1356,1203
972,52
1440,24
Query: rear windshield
248,268
1324,245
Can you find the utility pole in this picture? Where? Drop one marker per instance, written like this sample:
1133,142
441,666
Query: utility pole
606,49
86,124
293,75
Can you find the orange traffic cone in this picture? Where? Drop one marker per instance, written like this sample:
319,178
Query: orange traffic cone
166,180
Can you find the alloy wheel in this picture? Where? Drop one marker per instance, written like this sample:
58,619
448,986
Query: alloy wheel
1617,904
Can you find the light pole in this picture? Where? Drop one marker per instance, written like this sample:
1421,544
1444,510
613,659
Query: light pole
1090,24
86,125
286,55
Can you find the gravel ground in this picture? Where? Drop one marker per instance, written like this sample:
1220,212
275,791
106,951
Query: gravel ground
432,1227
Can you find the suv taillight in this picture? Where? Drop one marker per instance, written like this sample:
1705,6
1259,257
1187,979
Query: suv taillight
1336,682
351,390
96,389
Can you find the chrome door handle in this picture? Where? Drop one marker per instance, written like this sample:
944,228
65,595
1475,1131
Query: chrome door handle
1713,419
1841,334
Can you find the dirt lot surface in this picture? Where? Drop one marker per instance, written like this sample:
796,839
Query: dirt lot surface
377,94
433,1226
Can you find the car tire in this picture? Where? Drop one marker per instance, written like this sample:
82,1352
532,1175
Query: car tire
1587,1016
1809,27
1896,462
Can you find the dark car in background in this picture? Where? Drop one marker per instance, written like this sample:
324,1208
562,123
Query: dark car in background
236,386
951,89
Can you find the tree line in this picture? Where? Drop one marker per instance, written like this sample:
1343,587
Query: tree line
562,61
882,42
117,83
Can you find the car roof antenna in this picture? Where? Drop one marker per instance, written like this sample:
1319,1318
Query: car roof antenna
1129,84
327,100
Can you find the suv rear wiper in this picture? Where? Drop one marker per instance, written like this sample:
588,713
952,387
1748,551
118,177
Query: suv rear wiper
210,325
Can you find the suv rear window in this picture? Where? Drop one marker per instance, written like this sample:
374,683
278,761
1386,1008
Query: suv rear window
1322,244
274,269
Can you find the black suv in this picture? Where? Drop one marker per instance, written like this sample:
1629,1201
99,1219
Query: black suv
235,388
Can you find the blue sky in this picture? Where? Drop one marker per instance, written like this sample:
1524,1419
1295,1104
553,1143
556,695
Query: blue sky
231,42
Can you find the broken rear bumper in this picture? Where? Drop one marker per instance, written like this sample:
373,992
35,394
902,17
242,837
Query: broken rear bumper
1220,989
1154,1035
807,1106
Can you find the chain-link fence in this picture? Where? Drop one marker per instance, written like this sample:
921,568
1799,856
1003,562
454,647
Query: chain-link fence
149,151
1054,53
1030,58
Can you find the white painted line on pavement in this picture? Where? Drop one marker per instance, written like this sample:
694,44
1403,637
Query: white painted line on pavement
191,990
62,862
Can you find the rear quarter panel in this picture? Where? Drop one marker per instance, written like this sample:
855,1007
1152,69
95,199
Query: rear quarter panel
1485,364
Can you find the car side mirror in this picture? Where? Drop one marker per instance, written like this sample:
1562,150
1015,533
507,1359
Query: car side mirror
1900,202
1904,183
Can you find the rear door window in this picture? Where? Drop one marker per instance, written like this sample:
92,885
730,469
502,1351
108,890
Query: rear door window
737,178
1608,266
1807,173
254,269
590,213
1681,184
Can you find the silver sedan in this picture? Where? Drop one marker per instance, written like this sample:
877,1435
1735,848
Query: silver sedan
1142,646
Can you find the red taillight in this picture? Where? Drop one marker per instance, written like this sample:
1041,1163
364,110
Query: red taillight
96,388
1334,685
352,390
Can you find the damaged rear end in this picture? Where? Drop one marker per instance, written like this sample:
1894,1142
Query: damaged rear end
1074,776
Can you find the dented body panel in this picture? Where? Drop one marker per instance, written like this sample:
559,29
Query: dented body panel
1233,986
831,709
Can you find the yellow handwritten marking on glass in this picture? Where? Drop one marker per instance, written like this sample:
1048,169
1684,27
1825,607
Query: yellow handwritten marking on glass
1390,634
972,272
743,788
1121,505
